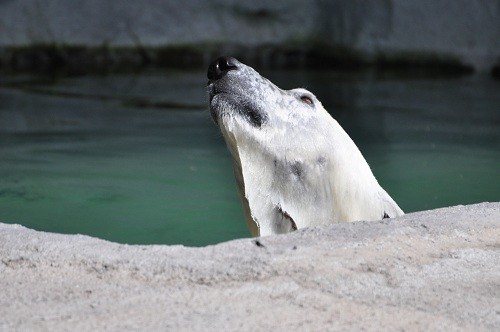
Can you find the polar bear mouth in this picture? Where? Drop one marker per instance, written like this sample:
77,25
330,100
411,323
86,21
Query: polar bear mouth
229,104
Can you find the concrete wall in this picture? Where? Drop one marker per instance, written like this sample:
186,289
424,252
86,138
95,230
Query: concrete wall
468,30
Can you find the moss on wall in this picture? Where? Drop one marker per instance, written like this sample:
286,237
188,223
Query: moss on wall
79,60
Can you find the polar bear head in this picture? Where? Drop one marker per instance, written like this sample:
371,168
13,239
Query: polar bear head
240,97
294,165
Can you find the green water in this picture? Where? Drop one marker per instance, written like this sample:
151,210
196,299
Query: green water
136,158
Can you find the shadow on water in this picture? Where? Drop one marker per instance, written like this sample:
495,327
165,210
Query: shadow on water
136,159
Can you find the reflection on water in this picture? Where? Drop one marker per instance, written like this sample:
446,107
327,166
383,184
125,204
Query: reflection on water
136,159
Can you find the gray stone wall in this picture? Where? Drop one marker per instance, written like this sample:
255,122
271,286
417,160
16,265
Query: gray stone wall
467,30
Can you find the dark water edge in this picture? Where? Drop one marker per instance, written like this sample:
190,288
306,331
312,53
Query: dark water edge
71,60
135,158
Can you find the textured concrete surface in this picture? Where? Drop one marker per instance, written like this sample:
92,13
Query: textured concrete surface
464,29
436,270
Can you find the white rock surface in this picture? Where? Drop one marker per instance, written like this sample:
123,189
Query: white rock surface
436,270
466,29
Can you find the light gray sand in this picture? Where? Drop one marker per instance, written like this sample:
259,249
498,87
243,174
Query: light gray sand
435,269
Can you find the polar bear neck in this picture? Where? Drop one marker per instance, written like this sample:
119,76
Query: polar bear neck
322,183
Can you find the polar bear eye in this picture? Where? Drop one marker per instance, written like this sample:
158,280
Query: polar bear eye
307,100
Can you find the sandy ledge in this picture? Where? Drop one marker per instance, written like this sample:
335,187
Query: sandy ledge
436,269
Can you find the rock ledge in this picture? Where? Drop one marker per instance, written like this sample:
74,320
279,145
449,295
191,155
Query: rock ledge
436,269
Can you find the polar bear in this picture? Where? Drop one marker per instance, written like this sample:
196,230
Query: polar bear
294,164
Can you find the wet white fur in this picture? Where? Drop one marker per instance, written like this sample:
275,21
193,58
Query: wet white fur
335,183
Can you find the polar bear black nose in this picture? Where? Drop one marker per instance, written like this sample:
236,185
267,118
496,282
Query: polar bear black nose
220,67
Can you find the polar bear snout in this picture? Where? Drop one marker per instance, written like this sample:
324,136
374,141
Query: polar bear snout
219,68
232,92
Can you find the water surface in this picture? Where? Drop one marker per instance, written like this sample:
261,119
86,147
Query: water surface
136,158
